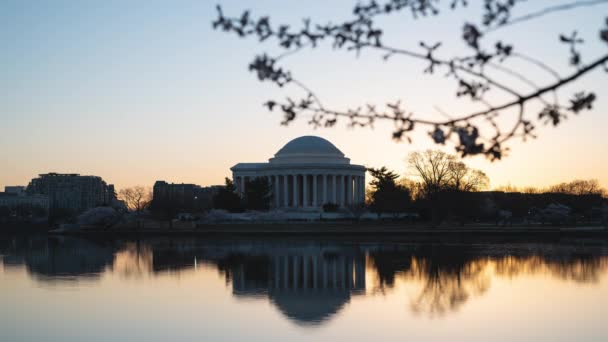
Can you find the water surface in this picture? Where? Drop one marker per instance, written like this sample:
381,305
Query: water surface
71,289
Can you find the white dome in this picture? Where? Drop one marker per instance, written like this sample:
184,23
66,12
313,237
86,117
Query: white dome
309,149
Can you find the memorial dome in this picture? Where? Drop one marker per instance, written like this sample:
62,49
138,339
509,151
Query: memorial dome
309,149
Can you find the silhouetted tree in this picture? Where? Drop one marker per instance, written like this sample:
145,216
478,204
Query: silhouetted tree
463,178
5,212
387,196
482,75
227,198
137,198
164,208
258,194
61,215
445,186
433,169
439,171
578,187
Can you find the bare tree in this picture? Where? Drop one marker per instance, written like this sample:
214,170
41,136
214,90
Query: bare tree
478,75
438,171
433,169
578,187
464,178
136,198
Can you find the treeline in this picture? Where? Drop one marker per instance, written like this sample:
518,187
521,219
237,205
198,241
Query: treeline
257,196
575,187
22,213
442,188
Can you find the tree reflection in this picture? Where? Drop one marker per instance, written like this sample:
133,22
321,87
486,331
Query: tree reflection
450,275
447,288
134,260
579,268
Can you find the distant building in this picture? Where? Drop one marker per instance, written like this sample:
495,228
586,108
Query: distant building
72,191
185,197
16,189
305,174
13,200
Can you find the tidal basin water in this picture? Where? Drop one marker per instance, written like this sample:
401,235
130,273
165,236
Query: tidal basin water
186,289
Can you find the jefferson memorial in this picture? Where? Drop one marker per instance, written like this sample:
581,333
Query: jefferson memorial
307,173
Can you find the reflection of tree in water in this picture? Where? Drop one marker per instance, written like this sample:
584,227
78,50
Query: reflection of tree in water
254,268
450,279
134,260
388,263
579,268
452,274
448,286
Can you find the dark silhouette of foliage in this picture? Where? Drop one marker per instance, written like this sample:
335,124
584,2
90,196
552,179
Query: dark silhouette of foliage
258,194
440,172
476,74
445,186
23,213
388,196
165,209
227,198
579,187
61,215
5,212
137,198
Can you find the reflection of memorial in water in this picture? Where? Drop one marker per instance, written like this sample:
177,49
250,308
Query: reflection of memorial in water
308,284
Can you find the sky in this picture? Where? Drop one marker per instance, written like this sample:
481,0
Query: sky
138,91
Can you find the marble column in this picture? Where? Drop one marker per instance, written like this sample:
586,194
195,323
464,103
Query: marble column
296,272
285,272
285,191
269,181
341,190
349,189
305,190
315,272
277,201
325,276
356,189
295,191
334,194
277,271
305,272
334,273
324,189
314,190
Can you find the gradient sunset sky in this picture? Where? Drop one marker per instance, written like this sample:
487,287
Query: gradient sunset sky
136,91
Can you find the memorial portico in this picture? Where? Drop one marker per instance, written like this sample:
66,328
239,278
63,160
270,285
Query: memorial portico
307,173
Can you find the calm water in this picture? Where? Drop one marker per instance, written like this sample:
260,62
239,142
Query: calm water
68,289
